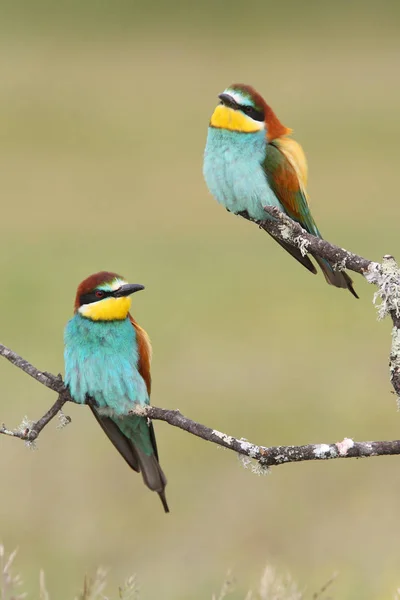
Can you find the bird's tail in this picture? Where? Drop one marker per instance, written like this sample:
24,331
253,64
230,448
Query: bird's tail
339,279
127,436
152,473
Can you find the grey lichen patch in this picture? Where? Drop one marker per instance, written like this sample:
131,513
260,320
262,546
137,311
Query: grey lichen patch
260,469
344,446
24,428
63,420
256,467
340,265
281,458
324,451
244,460
368,449
139,410
25,425
373,274
6,431
31,444
387,277
395,351
286,232
250,449
228,439
302,244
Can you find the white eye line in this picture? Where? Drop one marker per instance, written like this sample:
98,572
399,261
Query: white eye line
116,284
238,98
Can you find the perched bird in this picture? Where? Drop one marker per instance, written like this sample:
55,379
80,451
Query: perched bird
107,366
251,162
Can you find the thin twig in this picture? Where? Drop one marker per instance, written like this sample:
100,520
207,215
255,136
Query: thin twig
55,383
48,379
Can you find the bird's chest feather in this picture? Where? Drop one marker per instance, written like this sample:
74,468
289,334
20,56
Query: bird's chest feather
101,361
233,171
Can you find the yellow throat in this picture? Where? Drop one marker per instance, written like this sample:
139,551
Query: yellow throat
224,117
109,309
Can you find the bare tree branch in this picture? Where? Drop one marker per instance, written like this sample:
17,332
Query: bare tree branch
266,457
273,455
287,230
29,432
47,379
385,275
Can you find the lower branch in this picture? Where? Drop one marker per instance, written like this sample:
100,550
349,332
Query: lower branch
385,275
273,455
266,456
28,431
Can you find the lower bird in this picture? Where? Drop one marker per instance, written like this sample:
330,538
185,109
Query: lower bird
107,366
251,161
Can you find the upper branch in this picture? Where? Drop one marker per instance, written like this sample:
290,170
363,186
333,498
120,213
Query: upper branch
287,230
385,275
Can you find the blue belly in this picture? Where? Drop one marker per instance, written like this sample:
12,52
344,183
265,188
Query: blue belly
233,172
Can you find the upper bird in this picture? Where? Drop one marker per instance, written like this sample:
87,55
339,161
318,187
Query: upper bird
107,366
251,162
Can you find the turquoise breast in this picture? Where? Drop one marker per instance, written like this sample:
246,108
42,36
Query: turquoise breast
101,359
234,174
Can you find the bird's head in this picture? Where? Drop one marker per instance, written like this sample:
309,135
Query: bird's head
104,296
244,110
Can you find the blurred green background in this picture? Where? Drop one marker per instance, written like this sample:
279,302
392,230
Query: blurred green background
104,109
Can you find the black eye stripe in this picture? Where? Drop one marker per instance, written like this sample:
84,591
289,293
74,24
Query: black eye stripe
91,297
253,113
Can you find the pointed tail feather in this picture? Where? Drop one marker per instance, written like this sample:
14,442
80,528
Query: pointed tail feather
140,462
296,253
153,475
118,439
339,279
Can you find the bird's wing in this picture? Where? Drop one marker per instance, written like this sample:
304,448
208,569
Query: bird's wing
137,459
285,167
145,353
122,443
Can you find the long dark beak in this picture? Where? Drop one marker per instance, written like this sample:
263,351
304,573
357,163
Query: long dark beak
128,289
228,101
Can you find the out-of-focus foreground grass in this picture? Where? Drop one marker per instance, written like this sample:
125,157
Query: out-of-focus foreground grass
103,118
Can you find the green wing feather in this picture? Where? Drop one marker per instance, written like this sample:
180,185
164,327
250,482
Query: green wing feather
285,169
284,181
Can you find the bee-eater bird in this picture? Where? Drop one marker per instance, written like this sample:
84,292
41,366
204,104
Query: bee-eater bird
107,366
251,162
